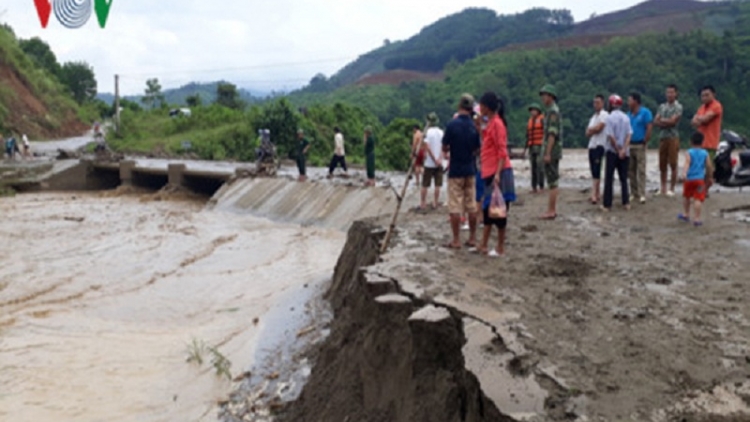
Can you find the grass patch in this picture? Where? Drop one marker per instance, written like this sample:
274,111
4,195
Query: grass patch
198,351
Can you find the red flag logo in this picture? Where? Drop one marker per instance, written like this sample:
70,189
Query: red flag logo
44,9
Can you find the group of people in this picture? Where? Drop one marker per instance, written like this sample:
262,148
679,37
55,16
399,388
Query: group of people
473,152
13,147
339,154
620,140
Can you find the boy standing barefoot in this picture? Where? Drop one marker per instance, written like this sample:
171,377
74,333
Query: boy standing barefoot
698,177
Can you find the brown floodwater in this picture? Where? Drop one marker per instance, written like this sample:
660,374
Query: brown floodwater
100,299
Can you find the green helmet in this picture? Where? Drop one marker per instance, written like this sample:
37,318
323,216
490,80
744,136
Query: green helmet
535,106
548,89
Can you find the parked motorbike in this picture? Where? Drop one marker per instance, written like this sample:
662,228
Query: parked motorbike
267,157
727,171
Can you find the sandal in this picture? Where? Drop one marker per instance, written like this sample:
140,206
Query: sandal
548,217
452,246
683,218
698,224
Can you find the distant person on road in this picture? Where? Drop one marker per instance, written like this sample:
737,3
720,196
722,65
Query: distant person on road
497,170
553,144
708,120
26,146
369,141
303,146
418,153
534,142
597,142
667,119
619,131
10,147
642,121
339,153
433,162
698,176
461,142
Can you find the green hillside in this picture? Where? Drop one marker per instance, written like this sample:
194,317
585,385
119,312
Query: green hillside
32,100
460,37
457,37
645,64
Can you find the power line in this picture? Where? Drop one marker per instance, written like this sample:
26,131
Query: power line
231,69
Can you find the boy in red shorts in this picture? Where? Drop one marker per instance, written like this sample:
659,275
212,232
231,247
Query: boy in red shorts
698,178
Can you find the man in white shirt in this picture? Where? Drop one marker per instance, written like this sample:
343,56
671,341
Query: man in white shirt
26,146
597,142
433,162
619,133
339,153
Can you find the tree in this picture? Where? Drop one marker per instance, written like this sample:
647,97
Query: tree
194,100
279,117
153,95
41,53
79,78
319,83
227,96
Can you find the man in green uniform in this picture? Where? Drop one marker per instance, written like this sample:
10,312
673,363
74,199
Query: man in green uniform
303,147
553,143
370,155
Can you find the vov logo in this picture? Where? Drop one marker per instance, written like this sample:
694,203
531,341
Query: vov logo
73,13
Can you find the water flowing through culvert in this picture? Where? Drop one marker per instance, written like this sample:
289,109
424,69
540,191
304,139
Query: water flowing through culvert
103,299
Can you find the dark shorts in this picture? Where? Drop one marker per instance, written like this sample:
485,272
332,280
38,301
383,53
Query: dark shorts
500,223
433,174
552,173
596,155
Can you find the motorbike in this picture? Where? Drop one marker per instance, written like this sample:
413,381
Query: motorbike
728,172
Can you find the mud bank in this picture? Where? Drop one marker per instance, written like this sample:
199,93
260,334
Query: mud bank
389,357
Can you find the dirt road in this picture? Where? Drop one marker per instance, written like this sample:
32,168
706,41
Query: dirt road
621,316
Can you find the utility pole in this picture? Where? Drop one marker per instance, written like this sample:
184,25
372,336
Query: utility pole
117,104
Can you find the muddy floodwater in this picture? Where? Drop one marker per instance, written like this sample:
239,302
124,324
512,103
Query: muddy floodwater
101,298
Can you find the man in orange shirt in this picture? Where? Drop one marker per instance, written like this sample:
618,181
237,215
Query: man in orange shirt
708,120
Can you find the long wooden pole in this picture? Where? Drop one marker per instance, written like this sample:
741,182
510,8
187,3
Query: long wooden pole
400,199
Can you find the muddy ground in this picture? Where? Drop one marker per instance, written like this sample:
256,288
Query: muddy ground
621,316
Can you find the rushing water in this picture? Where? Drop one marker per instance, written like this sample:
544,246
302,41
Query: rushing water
100,298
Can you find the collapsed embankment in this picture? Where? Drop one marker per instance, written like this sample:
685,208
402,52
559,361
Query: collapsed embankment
388,357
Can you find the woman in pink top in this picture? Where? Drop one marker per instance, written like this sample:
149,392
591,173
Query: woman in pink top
497,169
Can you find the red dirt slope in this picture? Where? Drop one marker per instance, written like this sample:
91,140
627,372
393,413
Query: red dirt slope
29,115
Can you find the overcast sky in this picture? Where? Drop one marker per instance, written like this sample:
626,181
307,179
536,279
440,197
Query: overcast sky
264,45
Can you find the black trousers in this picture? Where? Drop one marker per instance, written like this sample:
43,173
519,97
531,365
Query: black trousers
335,162
620,165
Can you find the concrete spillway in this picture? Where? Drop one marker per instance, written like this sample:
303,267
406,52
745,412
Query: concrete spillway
318,204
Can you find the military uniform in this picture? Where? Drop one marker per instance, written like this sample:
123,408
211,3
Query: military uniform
553,128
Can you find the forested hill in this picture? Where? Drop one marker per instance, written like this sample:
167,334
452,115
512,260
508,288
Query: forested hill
466,35
458,37
644,63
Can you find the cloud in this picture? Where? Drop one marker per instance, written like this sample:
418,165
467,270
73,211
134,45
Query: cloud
264,45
